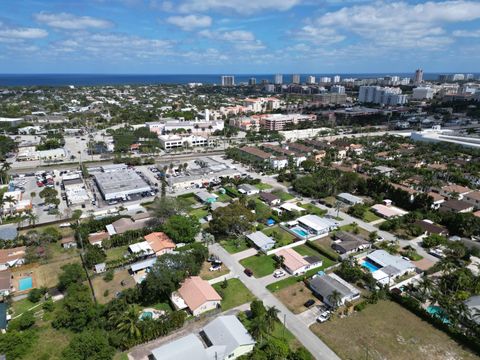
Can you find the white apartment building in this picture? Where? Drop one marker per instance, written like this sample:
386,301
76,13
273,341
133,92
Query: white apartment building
169,142
420,93
311,80
278,79
337,89
336,79
228,80
381,95
325,80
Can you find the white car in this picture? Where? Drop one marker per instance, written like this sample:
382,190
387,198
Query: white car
279,274
215,268
324,316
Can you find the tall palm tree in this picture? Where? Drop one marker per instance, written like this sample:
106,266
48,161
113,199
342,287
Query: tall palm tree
271,318
334,299
11,202
32,218
127,322
259,328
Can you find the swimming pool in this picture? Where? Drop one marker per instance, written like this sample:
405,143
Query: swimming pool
146,315
368,265
25,283
302,233
438,312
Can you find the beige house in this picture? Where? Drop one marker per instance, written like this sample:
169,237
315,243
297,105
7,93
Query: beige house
196,295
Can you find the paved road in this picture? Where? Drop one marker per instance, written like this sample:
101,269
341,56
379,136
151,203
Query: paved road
301,331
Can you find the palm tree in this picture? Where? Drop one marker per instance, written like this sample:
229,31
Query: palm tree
271,318
11,202
127,322
32,218
259,328
334,299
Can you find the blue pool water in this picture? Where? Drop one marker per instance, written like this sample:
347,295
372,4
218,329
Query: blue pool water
25,283
368,265
437,311
146,315
300,232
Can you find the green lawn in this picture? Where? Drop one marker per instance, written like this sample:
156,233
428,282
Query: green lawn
189,198
306,251
284,196
263,186
116,252
282,237
261,265
162,306
223,197
50,343
199,213
234,246
369,216
235,294
19,307
312,209
279,285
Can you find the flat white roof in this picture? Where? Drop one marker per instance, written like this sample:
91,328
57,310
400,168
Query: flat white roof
316,222
141,247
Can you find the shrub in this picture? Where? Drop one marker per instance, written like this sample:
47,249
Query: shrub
108,275
360,306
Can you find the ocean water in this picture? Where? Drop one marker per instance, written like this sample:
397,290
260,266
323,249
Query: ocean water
141,79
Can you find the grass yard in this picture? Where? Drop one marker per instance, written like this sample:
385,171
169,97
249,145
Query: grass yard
50,343
223,197
234,246
261,265
116,253
162,306
351,227
21,306
369,216
263,186
199,213
388,331
234,294
294,296
284,196
281,236
206,274
329,200
189,198
114,286
312,209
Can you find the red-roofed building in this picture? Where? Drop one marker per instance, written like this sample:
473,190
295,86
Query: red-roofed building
160,243
196,295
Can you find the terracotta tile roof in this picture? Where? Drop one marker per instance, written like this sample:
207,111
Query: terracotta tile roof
159,241
98,236
195,292
292,259
12,254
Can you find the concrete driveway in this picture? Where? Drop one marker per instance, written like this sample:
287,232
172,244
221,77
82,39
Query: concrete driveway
309,317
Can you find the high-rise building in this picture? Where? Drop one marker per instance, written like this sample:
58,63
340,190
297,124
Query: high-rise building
325,80
336,79
381,95
418,76
228,80
469,77
252,81
337,89
458,77
278,79
295,79
311,80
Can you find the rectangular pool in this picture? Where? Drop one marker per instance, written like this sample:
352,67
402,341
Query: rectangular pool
25,283
302,233
369,266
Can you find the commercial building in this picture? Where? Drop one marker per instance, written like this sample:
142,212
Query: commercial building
228,80
168,142
11,121
436,134
120,184
75,189
277,122
330,98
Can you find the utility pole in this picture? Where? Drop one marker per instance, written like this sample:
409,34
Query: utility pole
284,325
82,252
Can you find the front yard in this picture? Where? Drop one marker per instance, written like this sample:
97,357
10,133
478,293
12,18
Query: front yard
312,209
388,331
234,246
282,195
261,265
206,274
294,296
235,294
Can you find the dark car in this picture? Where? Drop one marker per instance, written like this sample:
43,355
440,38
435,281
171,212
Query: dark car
309,303
248,272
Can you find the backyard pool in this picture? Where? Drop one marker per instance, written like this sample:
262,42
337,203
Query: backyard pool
302,233
146,315
25,283
438,312
368,265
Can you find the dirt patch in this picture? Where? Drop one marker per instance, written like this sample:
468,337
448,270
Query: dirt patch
294,296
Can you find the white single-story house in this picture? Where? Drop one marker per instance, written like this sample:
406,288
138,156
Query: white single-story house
349,199
297,264
261,241
389,267
317,225
248,189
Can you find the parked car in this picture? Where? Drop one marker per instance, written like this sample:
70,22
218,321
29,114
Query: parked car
279,274
324,316
215,268
248,272
309,303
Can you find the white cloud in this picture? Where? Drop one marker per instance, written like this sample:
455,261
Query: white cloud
319,36
190,22
231,36
393,24
237,6
23,33
467,33
67,21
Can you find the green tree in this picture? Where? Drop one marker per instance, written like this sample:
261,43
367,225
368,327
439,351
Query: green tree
71,274
231,220
15,344
127,322
334,298
89,345
94,255
182,229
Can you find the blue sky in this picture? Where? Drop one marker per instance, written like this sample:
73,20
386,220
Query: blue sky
238,36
